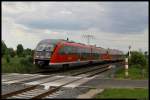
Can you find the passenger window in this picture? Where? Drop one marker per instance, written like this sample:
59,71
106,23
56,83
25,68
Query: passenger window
68,50
74,50
64,50
61,51
78,51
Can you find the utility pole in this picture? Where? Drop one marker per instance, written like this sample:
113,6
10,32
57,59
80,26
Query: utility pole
129,51
88,37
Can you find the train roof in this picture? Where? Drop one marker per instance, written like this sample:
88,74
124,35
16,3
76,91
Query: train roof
55,41
115,51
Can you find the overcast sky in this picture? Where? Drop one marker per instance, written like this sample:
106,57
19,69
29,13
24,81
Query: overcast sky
113,24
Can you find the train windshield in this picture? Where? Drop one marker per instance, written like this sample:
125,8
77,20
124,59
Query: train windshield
45,47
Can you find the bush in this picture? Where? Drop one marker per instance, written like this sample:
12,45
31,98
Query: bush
29,59
137,58
23,61
7,58
26,61
28,51
11,52
4,48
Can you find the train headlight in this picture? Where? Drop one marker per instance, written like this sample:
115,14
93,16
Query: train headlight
36,54
47,55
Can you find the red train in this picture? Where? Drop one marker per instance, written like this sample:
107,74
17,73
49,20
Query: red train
58,52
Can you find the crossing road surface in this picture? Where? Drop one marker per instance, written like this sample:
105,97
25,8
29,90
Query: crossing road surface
116,83
67,86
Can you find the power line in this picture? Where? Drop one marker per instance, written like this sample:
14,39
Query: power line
88,37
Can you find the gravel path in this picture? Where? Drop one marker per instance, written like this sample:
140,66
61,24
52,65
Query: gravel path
7,88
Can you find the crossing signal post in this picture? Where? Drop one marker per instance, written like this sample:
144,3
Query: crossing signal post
126,68
126,62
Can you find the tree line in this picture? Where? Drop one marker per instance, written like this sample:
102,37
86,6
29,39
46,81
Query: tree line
137,58
20,51
19,60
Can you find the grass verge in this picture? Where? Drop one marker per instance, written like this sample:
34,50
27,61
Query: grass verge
137,93
134,73
15,65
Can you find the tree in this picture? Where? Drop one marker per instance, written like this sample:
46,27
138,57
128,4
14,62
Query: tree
20,50
32,53
146,54
137,58
4,48
7,57
11,52
28,51
127,54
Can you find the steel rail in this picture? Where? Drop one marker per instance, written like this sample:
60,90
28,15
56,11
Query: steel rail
55,88
50,91
89,70
4,96
18,91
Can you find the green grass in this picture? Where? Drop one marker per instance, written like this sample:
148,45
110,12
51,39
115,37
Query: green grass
15,66
134,73
124,93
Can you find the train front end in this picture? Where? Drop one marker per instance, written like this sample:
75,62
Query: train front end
43,52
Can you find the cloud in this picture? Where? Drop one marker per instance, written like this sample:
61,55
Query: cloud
125,17
119,17
14,34
114,24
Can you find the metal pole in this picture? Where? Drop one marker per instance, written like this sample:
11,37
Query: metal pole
129,51
88,39
126,68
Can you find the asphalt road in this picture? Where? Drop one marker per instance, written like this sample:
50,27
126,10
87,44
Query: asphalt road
116,83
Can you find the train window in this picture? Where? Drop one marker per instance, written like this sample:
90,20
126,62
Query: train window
61,51
44,46
82,53
107,52
85,55
65,50
81,50
71,49
49,48
87,52
78,50
95,53
74,50
68,50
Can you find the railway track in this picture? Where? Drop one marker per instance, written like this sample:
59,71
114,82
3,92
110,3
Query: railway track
72,70
86,70
77,72
68,70
35,91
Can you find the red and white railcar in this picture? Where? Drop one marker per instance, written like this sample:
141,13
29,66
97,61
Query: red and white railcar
58,52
